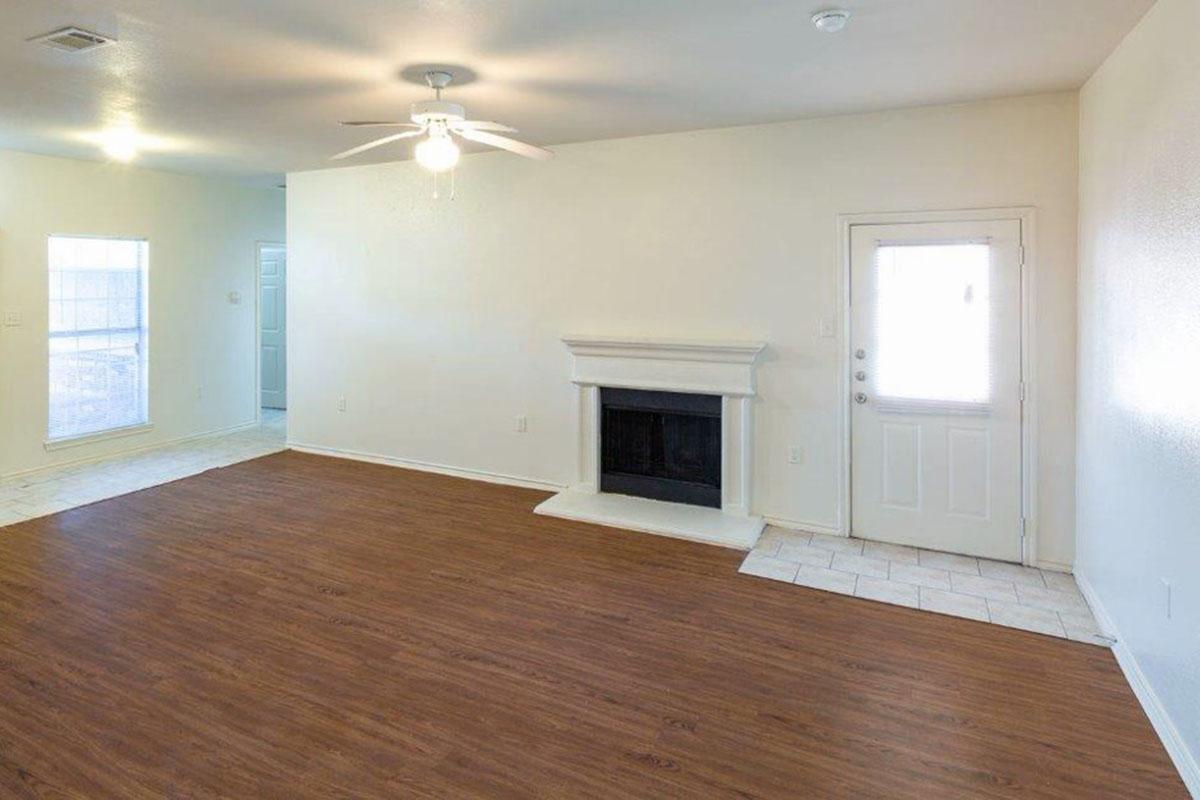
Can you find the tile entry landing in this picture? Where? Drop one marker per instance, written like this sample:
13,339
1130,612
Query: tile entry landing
963,586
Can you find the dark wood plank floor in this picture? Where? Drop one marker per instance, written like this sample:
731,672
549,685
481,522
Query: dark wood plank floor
304,627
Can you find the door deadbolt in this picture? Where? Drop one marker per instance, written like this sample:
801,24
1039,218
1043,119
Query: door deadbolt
860,354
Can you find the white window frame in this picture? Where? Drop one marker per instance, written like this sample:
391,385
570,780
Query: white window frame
62,442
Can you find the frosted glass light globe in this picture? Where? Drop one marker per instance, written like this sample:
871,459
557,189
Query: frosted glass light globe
437,153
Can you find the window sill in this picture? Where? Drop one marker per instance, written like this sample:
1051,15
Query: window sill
90,438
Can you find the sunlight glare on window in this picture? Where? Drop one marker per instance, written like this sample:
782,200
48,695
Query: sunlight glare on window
933,322
97,335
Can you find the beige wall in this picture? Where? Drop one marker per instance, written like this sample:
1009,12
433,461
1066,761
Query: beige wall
202,237
439,321
1139,339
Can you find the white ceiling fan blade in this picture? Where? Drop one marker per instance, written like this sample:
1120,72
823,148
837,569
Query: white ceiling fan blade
504,143
482,125
370,145
378,124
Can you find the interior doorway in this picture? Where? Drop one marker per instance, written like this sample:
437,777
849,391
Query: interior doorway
272,325
936,386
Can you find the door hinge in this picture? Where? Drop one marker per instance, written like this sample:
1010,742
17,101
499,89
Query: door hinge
1022,391
1022,529
1021,254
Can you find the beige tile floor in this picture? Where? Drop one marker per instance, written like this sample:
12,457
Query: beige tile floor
974,588
53,490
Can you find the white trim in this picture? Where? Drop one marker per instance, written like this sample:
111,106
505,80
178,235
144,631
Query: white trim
1026,216
1052,566
1185,761
99,436
804,527
426,466
707,350
677,365
241,426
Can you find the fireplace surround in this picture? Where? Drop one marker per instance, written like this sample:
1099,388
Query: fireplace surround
721,370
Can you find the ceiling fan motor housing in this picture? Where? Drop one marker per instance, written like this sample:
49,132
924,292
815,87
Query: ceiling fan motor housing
429,111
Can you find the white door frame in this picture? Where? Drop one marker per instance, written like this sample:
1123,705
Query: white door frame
258,248
1027,217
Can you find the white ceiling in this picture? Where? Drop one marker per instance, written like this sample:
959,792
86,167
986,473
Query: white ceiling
254,88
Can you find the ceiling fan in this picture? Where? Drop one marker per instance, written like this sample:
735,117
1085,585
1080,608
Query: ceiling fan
437,119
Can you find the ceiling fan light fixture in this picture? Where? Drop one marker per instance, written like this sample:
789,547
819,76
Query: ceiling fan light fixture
438,119
437,153
831,20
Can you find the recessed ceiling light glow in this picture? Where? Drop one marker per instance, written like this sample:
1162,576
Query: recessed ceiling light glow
119,144
831,20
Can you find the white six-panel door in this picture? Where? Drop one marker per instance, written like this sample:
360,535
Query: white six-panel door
935,337
272,266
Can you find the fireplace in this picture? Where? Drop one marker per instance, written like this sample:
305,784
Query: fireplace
661,445
663,420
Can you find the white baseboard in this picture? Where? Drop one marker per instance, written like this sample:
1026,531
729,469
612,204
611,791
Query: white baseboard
806,527
1053,566
1184,760
130,451
425,466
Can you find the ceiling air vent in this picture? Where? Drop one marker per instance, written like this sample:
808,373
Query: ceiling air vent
73,39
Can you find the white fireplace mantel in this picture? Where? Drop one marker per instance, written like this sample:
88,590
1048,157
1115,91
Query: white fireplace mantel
676,365
724,368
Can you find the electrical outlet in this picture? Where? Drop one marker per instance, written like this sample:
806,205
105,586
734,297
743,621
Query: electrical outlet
520,424
795,454
341,404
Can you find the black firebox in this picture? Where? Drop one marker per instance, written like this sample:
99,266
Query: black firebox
661,445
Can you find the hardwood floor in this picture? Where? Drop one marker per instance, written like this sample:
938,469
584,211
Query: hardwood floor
305,627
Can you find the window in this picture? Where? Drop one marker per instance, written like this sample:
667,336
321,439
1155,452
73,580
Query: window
98,335
932,323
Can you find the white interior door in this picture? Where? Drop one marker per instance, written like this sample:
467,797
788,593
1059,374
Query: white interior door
272,269
935,337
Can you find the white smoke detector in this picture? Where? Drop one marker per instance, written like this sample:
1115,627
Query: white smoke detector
831,20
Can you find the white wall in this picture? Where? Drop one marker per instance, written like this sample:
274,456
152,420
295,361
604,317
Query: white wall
1139,351
202,237
439,321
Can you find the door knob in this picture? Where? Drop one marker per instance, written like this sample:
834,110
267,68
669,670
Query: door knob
860,354
860,376
860,398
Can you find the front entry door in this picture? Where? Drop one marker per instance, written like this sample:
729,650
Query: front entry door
272,268
935,338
